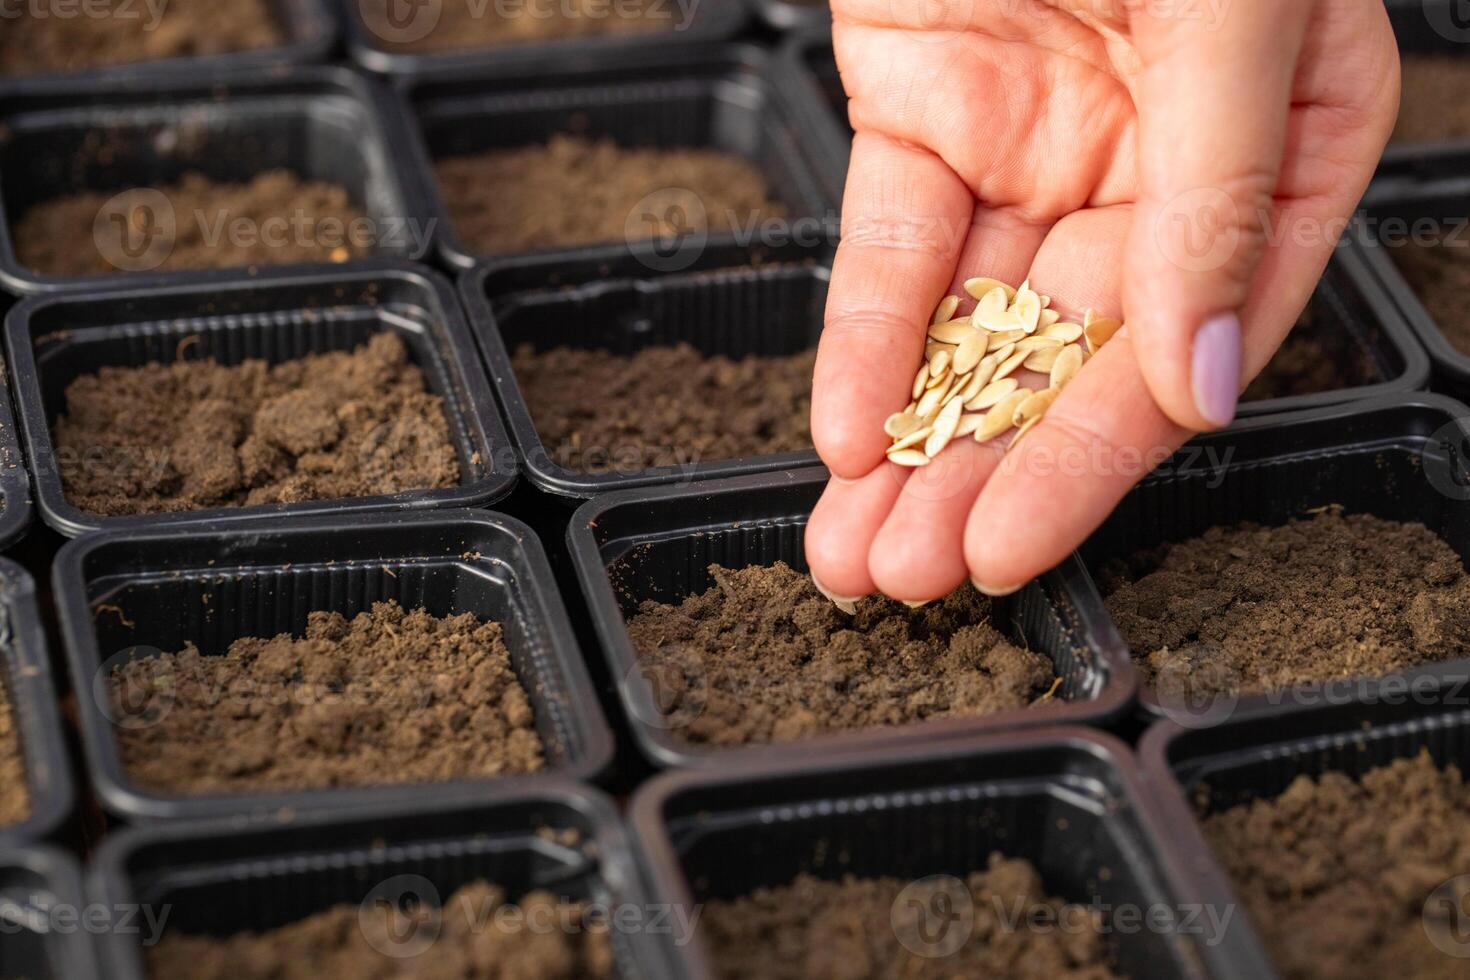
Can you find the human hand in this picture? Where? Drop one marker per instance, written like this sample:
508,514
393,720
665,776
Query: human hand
1184,163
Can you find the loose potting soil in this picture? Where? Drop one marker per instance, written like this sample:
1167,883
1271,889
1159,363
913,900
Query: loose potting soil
1435,104
664,406
1337,874
814,929
276,217
459,24
1439,274
1250,609
1317,356
196,434
71,37
15,804
390,696
470,939
763,657
575,191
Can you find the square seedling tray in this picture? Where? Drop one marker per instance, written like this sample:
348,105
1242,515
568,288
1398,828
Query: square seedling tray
391,48
213,585
40,886
633,546
730,300
220,878
54,340
729,98
133,135
1404,213
1258,758
1400,458
1068,800
308,29
25,672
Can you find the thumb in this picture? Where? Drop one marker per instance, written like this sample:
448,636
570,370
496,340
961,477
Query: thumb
1213,100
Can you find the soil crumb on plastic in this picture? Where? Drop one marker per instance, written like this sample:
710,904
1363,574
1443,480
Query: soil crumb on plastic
1435,103
575,191
478,933
861,928
276,217
389,696
664,406
15,803
46,38
462,24
1338,875
196,434
1440,275
1249,609
1318,355
763,657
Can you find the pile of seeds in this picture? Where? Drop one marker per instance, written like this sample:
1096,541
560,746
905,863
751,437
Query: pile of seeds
965,385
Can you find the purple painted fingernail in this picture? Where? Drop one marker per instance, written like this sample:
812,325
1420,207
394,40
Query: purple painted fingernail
1215,373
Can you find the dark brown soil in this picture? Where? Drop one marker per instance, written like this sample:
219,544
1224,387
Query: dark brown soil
15,804
1440,275
275,218
196,434
1253,609
1435,104
71,37
1317,356
763,657
389,696
339,942
471,24
664,406
817,930
1336,873
573,191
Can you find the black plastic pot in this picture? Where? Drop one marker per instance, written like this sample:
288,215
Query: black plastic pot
807,58
220,877
53,340
15,481
26,675
1427,27
1399,213
633,546
731,300
1399,457
701,21
727,97
1069,800
125,595
791,15
134,134
309,29
1258,758
1354,318
42,916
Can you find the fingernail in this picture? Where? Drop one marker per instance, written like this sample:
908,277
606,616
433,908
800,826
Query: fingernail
1215,372
847,604
995,592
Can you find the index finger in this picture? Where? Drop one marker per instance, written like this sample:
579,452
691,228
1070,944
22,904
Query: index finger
905,217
